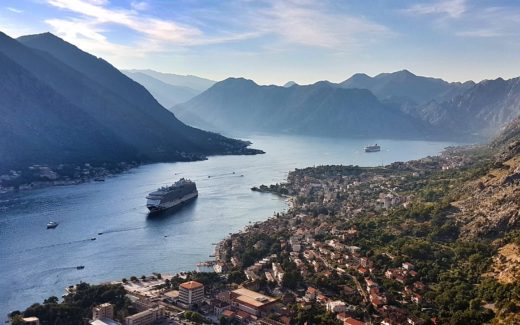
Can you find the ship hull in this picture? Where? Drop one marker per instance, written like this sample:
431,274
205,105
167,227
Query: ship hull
163,206
372,150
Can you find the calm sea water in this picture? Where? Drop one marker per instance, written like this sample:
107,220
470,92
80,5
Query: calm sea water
36,263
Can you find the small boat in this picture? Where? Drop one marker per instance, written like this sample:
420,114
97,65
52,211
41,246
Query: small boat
100,233
93,238
52,224
80,267
373,148
99,179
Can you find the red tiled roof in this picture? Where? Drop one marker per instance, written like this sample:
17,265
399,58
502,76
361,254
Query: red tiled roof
190,285
228,313
352,321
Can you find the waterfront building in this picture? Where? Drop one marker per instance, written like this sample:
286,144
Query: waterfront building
191,292
252,302
146,317
105,310
104,321
31,320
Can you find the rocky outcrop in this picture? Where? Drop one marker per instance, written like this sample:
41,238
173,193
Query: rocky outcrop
492,205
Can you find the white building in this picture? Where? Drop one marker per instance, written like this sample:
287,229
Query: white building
105,310
146,317
31,320
191,292
336,306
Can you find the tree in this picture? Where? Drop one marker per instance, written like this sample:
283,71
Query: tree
17,320
51,300
236,277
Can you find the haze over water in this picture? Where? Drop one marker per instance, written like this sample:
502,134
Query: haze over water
36,263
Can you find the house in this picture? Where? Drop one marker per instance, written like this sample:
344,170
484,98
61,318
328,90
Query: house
228,314
362,270
218,306
146,317
105,310
336,306
251,301
352,321
417,298
408,266
310,294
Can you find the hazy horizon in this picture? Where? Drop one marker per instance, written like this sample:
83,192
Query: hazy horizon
273,42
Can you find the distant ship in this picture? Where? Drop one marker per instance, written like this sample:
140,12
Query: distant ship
52,225
373,148
171,196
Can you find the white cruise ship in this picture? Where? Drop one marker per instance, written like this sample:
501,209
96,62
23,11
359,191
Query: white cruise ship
171,196
373,148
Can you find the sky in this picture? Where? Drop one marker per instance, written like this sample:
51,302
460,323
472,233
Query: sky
274,41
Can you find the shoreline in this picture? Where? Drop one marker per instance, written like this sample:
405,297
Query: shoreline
288,199
49,174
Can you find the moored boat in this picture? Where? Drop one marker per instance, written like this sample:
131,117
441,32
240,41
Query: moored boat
373,148
52,224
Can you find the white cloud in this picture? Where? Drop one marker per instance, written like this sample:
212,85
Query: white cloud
88,24
452,8
484,33
490,22
96,13
16,11
314,24
140,5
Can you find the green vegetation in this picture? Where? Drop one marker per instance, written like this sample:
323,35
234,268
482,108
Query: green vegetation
316,314
78,305
453,283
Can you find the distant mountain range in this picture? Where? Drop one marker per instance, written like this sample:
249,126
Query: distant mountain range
59,104
404,86
399,104
170,89
323,108
484,109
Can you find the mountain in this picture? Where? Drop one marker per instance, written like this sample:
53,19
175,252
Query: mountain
166,94
40,125
484,109
464,109
493,202
290,84
196,83
509,138
70,105
320,109
403,86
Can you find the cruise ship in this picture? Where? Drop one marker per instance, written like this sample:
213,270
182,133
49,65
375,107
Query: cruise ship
373,148
171,196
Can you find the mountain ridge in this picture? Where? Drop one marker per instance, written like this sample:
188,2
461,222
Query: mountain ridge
320,109
112,102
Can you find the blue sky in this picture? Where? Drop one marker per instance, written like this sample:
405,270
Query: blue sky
273,41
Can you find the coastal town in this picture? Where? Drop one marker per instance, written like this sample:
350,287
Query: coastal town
339,255
40,176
